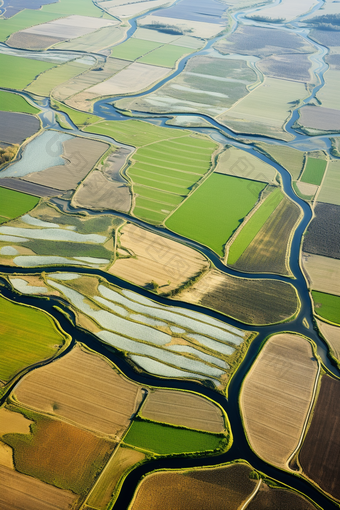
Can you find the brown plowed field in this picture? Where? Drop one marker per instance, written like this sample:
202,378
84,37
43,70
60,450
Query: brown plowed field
251,301
18,491
204,489
323,233
184,409
84,389
280,499
276,396
268,252
320,453
24,40
16,127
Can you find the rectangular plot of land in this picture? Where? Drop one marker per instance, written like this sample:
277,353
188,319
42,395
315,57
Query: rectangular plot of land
165,56
276,396
330,189
133,48
323,273
16,127
70,27
242,164
318,117
323,233
46,82
314,170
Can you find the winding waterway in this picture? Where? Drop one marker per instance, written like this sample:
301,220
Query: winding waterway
302,324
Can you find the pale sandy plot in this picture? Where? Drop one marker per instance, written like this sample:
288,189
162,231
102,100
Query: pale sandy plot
70,27
156,258
11,422
276,396
286,10
135,8
306,188
322,273
84,389
242,164
318,117
332,335
131,79
6,456
184,409
18,491
25,40
80,156
194,28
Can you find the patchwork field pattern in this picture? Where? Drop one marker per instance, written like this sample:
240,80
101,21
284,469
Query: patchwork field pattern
284,373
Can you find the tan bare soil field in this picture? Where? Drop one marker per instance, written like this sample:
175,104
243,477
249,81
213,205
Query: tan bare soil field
320,453
276,396
99,193
83,388
184,409
306,188
332,335
60,454
202,489
268,252
157,258
121,461
251,301
80,156
18,491
317,117
322,273
131,79
280,499
291,159
6,456
28,41
13,422
240,163
192,28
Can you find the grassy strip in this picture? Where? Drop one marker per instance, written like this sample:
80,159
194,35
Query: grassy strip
170,440
254,225
133,49
15,203
327,306
10,102
18,72
166,56
314,170
78,118
213,212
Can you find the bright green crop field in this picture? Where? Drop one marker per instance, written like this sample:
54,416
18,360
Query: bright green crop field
214,211
314,170
167,440
133,49
14,203
10,102
165,56
254,225
78,118
18,72
27,336
327,306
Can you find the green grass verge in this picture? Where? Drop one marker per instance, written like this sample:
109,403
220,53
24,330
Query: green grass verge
10,102
214,211
133,49
168,440
299,194
18,72
254,225
27,336
314,170
15,203
78,118
327,306
166,56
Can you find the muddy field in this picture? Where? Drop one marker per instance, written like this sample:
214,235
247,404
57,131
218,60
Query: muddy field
84,389
317,117
24,40
276,396
195,490
290,67
183,409
320,453
323,233
268,498
249,301
16,127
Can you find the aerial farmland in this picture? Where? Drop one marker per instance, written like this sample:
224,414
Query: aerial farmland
169,255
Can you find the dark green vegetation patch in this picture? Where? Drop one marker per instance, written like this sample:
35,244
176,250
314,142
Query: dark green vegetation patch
327,306
167,440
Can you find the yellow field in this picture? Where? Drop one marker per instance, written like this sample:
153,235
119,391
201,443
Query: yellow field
332,336
276,396
322,273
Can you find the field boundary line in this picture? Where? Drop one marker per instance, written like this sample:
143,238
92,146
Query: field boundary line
252,495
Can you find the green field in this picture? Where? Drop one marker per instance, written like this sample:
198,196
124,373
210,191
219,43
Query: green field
330,189
214,211
254,225
10,102
18,72
27,336
167,440
327,306
314,170
78,118
24,19
14,203
133,49
46,82
165,56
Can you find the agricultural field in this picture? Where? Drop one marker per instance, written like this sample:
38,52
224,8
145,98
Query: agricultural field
322,273
329,192
166,440
95,41
291,159
145,257
84,389
285,372
213,212
183,409
268,497
29,69
314,171
193,489
14,204
21,347
10,102
320,450
323,233
16,127
332,336
327,95
201,29
314,119
327,306
127,9
250,301
287,10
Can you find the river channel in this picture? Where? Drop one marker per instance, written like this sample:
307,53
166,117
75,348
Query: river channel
302,324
